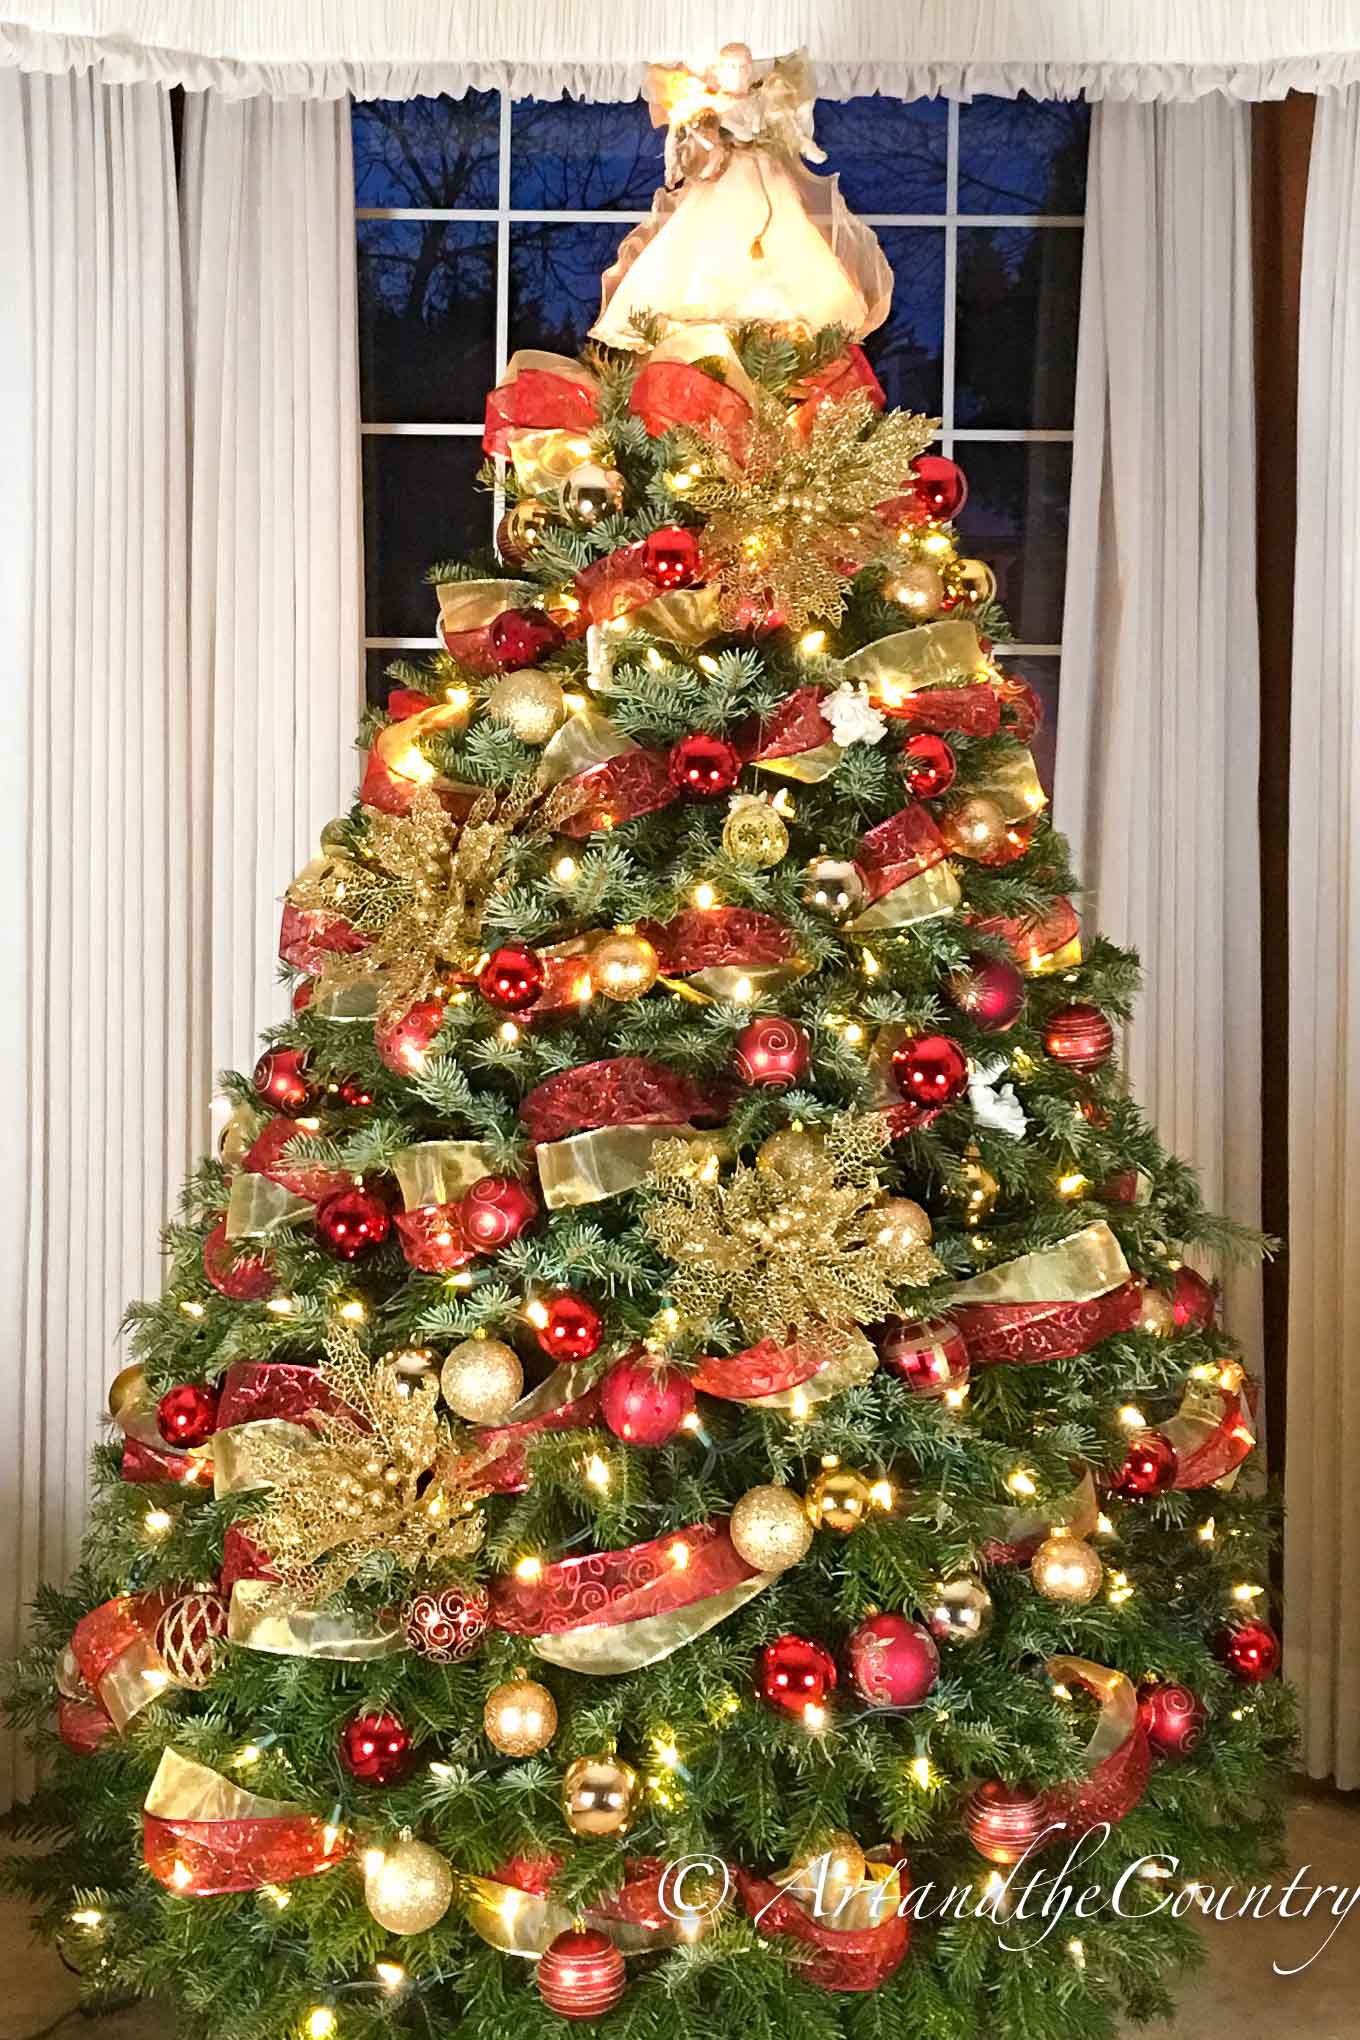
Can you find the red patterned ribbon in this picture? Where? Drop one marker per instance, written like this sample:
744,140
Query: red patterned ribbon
850,1959
82,1725
1119,1756
615,584
1024,1334
624,1090
307,937
539,392
1206,1451
699,939
255,1390
116,1656
205,1858
611,1587
849,375
766,1369
146,1461
1038,943
637,782
899,849
265,1157
972,709
797,725
669,393
432,1238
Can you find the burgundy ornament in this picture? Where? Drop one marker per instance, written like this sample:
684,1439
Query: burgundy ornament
376,1749
928,765
511,978
1149,1468
581,1974
793,1674
893,1661
1251,1651
772,1053
571,1328
495,1211
928,1353
1079,1036
523,637
991,991
352,1223
447,1627
670,557
1172,1716
930,1070
281,1079
404,1044
703,766
645,1405
939,484
187,1415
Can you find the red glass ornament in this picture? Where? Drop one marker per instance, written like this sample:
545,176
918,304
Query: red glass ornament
352,1223
928,765
793,1673
303,992
1172,1716
772,1053
353,1091
645,1405
581,1974
928,1353
703,765
670,557
523,637
495,1211
571,1329
511,978
990,991
940,484
404,1044
447,1627
187,1415
248,1280
930,1070
1149,1468
376,1748
1192,1301
1005,1821
1251,1651
1079,1036
281,1079
893,1661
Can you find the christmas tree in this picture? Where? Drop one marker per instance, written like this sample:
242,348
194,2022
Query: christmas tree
681,1464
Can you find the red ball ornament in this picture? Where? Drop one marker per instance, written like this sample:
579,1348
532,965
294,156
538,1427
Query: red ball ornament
581,1974
1149,1468
670,557
376,1749
928,765
523,637
511,978
772,1053
404,1044
991,991
447,1627
1172,1717
928,1353
1192,1301
1079,1036
495,1211
703,766
1251,1652
248,1280
187,1415
893,1662
354,1092
645,1405
793,1674
939,484
352,1223
1005,1821
571,1328
930,1070
281,1079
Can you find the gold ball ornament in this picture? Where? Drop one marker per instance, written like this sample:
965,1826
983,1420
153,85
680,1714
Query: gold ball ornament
591,492
482,1380
1156,1315
828,1870
623,966
128,1386
769,1528
754,834
976,1189
1067,1569
412,1365
898,1224
960,1612
839,1499
529,703
918,588
521,530
833,887
520,1718
408,1887
974,581
599,1796
796,1156
975,827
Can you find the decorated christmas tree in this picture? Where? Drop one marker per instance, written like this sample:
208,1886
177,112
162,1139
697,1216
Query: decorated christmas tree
681,1463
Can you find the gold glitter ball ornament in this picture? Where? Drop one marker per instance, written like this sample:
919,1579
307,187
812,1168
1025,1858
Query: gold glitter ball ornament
408,1887
1067,1569
482,1380
128,1384
899,1223
754,834
600,1796
623,966
918,588
529,703
769,1528
838,1499
520,1718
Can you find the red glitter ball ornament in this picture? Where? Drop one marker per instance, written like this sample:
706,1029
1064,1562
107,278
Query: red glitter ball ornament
281,1079
670,557
930,1070
991,991
1172,1716
645,1405
523,637
928,765
571,1328
939,484
447,1627
187,1415
352,1223
1149,1468
1079,1036
928,1353
511,978
893,1661
404,1044
703,766
1251,1651
581,1974
495,1211
772,1053
376,1748
793,1674
1005,1821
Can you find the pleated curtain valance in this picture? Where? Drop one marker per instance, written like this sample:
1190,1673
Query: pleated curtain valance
324,49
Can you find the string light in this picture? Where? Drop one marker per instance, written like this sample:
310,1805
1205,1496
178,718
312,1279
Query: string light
156,1522
250,1754
1072,1184
320,2022
1120,1590
705,897
537,1312
191,1307
1245,1591
180,1874
882,1494
353,1312
708,664
88,1916
564,871
1205,1533
1077,1950
509,1033
1020,1482
282,1306
655,660
529,1568
811,642
1104,1527
1132,1418
391,1975
869,963
597,1472
458,698
918,1770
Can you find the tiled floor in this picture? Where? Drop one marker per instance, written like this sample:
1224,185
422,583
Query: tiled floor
1237,1996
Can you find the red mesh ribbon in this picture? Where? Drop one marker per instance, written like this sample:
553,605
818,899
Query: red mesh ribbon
899,849
1192,1300
1031,940
635,783
849,375
204,1858
308,936
1022,709
699,940
101,1637
82,1725
615,583
841,1959
626,1090
796,725
539,400
766,1369
265,1157
253,1390
505,1468
1023,1334
566,983
972,709
145,1461
1113,1789
671,393
242,1559
246,1278
1231,1441
609,1587
432,1239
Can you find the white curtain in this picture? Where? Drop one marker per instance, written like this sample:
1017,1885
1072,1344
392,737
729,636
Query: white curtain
1158,735
1322,1532
95,924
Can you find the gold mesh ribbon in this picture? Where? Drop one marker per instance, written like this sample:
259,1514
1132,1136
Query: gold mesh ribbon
543,457
397,748
439,1171
807,767
137,1676
685,616
526,1923
875,1899
931,655
923,898
585,740
1086,1265
1118,1703
259,1619
471,605
185,1790
1013,783
258,1206
607,1650
588,1167
245,1457
1074,1515
357,1001
737,984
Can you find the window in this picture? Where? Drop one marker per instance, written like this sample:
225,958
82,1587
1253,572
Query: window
483,226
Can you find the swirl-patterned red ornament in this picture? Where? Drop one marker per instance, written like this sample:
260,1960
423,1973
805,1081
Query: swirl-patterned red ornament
893,1661
793,1674
352,1223
646,1405
522,637
1149,1468
495,1211
703,766
448,1626
376,1749
1005,1821
928,765
581,1974
772,1053
403,1044
569,1328
928,1353
939,485
281,1079
1172,1716
187,1415
512,978
1251,1651
670,557
930,1070
1079,1037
